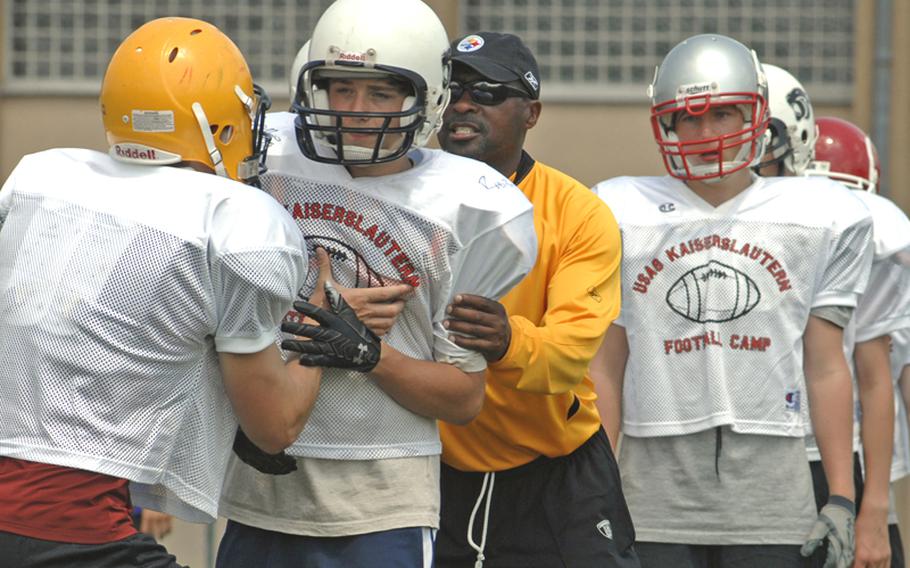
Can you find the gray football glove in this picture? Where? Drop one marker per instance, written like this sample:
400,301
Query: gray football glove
835,522
341,340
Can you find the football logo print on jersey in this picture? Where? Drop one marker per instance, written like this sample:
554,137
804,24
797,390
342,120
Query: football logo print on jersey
349,268
713,292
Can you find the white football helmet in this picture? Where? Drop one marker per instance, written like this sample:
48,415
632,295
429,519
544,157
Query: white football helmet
402,39
303,55
793,130
701,72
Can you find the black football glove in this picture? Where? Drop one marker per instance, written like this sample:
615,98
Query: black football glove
250,454
341,340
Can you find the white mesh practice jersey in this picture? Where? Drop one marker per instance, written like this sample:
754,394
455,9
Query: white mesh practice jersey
118,284
716,300
900,358
885,305
445,226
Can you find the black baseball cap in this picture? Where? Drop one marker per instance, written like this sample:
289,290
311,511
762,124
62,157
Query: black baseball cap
499,57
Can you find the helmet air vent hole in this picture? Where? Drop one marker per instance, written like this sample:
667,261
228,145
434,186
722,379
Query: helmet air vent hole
196,31
214,129
226,134
172,56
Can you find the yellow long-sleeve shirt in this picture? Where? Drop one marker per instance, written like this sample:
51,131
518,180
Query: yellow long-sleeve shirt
539,397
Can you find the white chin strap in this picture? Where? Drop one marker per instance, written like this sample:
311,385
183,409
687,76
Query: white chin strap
206,129
214,153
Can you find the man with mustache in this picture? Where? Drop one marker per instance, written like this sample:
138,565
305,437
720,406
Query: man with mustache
538,439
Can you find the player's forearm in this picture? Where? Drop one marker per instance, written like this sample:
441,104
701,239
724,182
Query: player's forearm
831,409
428,388
607,372
877,438
272,399
876,398
609,405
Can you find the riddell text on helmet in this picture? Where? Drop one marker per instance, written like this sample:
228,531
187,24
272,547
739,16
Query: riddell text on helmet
135,153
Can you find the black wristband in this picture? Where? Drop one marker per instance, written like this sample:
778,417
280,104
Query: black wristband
842,501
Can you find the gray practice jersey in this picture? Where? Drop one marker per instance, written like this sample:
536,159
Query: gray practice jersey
445,226
118,285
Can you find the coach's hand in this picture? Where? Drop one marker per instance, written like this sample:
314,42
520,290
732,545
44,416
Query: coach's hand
484,322
835,522
250,454
340,340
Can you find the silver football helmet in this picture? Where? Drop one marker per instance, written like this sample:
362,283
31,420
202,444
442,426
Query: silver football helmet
699,73
792,127
399,39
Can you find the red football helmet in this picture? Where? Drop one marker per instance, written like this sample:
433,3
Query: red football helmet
844,153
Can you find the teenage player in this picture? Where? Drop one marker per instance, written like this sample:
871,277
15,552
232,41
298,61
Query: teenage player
845,153
736,290
140,307
411,227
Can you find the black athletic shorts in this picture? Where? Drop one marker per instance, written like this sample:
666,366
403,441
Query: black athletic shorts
897,547
136,551
561,512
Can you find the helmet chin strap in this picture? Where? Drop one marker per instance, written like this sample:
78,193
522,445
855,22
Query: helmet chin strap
214,153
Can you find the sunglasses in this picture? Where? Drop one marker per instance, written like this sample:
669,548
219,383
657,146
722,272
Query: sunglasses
484,93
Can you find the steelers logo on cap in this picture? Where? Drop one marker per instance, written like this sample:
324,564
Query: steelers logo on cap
470,43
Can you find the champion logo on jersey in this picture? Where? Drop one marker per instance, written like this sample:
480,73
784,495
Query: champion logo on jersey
470,43
792,399
605,528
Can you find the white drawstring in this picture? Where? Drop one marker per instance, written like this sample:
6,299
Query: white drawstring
488,493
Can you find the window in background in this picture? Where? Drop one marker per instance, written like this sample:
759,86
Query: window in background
63,46
606,50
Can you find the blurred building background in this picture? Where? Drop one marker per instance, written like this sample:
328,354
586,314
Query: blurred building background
596,57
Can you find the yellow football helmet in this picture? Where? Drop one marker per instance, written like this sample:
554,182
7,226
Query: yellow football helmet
178,90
